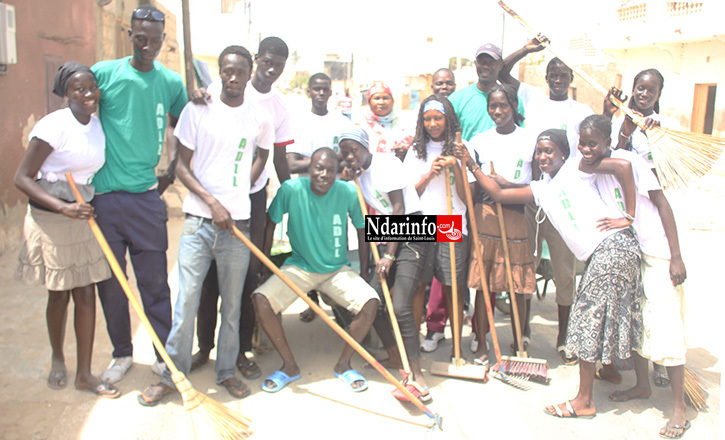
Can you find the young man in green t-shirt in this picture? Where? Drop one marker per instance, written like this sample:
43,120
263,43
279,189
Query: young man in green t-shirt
139,98
318,209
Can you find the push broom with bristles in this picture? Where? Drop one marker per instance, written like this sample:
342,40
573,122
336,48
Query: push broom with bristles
503,363
208,419
391,313
339,330
536,370
680,157
458,368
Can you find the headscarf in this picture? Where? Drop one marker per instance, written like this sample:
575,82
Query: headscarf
557,136
378,87
65,73
358,135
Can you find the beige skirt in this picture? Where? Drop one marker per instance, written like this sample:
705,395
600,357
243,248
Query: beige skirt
59,252
521,255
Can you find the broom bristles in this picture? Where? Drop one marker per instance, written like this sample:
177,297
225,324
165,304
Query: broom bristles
693,390
681,157
209,419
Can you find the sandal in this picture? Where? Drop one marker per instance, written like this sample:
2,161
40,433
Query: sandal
152,397
280,379
57,380
236,388
565,359
669,427
250,369
308,315
350,377
660,377
600,376
104,390
558,411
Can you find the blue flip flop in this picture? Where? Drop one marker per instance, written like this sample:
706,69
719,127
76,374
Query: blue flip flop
351,376
280,379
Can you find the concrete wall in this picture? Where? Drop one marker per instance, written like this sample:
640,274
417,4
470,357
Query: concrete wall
48,32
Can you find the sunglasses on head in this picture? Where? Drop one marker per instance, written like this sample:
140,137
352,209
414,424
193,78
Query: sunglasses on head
147,14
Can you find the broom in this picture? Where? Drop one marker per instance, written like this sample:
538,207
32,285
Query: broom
391,312
503,363
534,369
343,334
207,418
679,156
458,368
693,390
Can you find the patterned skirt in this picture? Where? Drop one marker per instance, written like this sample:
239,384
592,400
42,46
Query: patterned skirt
606,318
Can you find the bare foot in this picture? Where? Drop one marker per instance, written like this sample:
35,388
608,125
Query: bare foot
630,394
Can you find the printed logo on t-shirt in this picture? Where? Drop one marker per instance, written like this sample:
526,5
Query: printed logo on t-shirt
337,233
519,166
160,126
566,204
336,144
618,198
237,160
380,198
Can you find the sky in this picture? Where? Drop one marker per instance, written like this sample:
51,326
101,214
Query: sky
390,38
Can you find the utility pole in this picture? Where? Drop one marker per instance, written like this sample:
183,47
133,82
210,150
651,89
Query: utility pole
188,54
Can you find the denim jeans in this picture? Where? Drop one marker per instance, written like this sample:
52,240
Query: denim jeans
200,243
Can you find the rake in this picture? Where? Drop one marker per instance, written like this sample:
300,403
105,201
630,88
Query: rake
680,157
207,418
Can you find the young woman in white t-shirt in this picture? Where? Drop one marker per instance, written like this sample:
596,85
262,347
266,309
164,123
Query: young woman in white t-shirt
605,321
59,249
432,150
510,148
645,101
663,273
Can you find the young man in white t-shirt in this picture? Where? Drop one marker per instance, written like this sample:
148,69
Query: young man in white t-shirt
221,137
270,62
318,128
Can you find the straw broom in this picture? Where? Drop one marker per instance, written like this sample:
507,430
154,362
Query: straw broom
693,389
208,419
680,157
389,306
343,334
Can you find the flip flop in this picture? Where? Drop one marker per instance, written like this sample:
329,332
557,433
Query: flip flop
558,411
661,378
351,376
683,428
308,315
104,390
236,388
280,380
149,397
566,360
250,370
59,380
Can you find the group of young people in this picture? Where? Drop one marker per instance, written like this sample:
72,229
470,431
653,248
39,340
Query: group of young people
558,174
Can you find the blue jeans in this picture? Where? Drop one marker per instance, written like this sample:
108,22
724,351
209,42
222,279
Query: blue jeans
200,243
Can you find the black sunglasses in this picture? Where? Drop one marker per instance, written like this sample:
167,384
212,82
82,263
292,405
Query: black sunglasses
147,14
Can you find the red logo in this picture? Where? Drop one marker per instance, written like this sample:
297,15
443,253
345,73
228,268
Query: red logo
449,228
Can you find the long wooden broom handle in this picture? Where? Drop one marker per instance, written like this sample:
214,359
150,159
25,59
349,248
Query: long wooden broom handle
343,334
121,277
454,282
481,269
509,277
585,76
386,290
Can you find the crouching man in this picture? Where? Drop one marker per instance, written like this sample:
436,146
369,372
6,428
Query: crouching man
318,208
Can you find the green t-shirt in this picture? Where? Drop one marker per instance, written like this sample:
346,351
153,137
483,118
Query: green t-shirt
133,111
471,106
317,226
